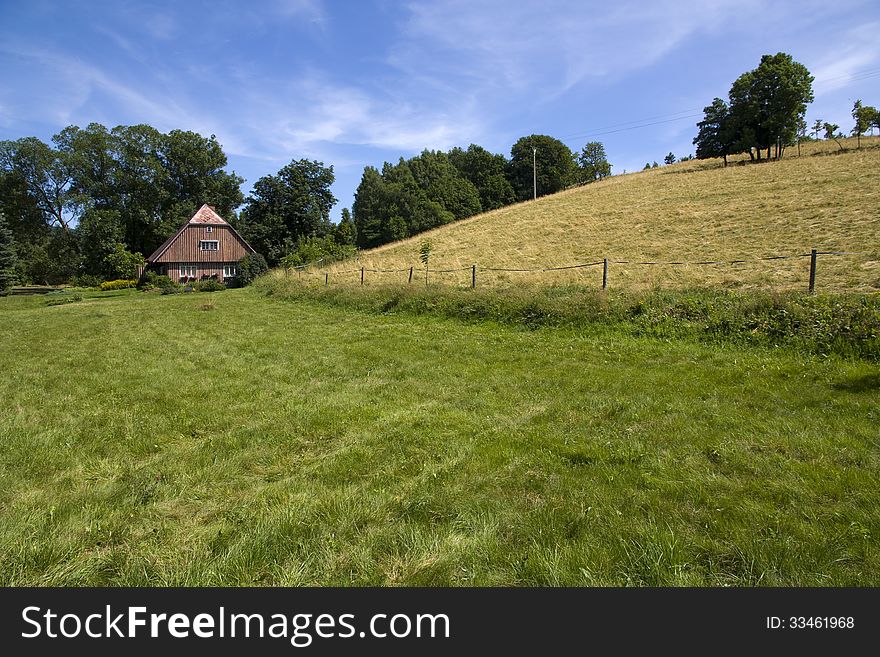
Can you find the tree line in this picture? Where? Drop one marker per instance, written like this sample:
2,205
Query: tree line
436,187
95,200
92,203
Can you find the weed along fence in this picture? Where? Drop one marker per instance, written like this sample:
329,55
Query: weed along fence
806,276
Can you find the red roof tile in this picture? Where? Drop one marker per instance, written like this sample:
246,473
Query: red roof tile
207,215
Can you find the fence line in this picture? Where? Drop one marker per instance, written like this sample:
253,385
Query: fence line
813,255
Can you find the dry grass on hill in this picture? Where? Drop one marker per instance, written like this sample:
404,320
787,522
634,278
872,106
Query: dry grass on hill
691,211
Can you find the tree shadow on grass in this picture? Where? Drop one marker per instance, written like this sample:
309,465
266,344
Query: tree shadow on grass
859,384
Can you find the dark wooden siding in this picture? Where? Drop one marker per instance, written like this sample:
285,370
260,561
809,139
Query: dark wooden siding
203,270
186,247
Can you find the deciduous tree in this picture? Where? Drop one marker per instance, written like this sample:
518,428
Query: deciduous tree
593,163
554,161
281,208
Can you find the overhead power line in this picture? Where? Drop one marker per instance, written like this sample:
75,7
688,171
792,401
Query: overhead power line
649,121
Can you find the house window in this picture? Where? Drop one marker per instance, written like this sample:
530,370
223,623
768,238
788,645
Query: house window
209,229
209,245
230,271
188,271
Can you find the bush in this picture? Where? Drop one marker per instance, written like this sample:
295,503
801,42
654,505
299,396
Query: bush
317,249
121,262
208,285
167,286
250,267
85,280
118,284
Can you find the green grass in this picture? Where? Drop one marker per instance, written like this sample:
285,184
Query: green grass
165,440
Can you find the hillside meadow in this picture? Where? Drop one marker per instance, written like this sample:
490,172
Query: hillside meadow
238,439
826,198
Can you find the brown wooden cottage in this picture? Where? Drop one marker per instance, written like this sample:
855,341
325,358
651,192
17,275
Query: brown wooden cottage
204,247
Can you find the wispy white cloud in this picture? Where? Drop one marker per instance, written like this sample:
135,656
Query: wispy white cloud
310,10
857,51
524,47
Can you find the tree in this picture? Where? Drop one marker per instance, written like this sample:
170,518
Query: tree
817,128
554,166
99,233
8,257
443,184
864,117
647,166
714,136
593,163
831,132
766,104
121,263
47,179
486,171
345,232
424,256
368,209
655,165
294,203
669,159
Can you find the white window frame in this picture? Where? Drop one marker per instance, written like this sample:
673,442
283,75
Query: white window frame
209,229
230,271
188,270
203,245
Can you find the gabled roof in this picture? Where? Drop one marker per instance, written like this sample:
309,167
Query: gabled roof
204,215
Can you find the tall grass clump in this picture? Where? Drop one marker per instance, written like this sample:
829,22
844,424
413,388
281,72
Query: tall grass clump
842,324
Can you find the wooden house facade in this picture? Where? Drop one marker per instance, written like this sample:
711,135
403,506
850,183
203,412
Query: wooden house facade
204,247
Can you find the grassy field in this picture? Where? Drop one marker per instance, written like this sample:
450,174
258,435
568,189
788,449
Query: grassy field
233,439
691,211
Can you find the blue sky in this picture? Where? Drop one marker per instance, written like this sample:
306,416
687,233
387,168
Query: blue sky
355,83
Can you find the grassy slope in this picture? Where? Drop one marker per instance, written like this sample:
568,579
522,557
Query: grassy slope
259,441
692,211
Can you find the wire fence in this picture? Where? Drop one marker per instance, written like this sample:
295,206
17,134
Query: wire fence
312,267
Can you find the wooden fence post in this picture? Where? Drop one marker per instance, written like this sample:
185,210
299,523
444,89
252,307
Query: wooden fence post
812,270
604,273
410,275
326,278
473,277
362,275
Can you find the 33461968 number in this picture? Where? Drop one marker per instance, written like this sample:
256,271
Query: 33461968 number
811,622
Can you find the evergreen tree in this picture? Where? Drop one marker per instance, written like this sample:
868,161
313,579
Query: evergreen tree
8,258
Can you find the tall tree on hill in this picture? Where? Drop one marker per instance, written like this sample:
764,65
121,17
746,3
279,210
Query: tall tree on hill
593,163
554,166
281,208
714,138
486,171
368,209
766,104
670,158
443,184
864,116
8,257
409,209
